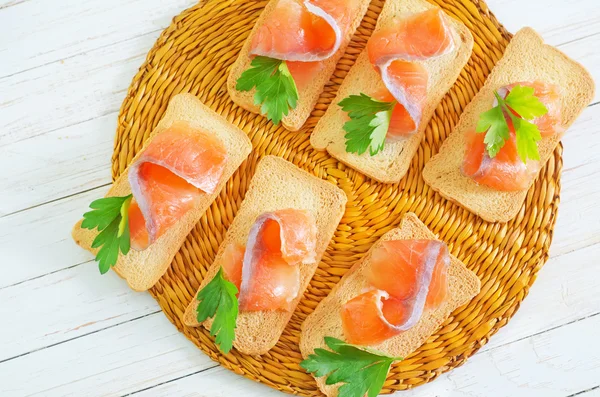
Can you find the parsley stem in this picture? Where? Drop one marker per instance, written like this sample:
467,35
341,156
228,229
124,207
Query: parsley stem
506,109
124,215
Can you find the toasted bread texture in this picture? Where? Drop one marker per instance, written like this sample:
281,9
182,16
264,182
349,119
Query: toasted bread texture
308,95
277,184
142,269
326,320
391,164
526,58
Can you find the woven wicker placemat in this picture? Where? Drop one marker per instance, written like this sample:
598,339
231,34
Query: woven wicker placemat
193,55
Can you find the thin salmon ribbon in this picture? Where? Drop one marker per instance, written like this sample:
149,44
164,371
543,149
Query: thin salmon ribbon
267,269
405,277
173,172
395,51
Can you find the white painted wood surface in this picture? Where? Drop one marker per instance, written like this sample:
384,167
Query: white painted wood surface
64,70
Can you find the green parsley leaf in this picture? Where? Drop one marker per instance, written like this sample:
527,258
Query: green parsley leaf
124,224
528,106
527,139
106,209
497,133
494,123
368,124
218,300
361,370
276,91
110,216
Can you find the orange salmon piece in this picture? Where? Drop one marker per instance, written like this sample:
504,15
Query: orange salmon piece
167,180
278,243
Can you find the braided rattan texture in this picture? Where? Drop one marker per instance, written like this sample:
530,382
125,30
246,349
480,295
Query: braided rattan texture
194,54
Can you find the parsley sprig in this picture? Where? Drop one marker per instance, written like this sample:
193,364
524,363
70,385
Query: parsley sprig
276,91
495,125
368,124
109,215
218,300
361,370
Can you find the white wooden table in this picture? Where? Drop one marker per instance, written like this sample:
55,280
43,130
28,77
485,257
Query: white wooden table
64,330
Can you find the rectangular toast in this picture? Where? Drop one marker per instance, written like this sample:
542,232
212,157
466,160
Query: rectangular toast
326,320
277,184
308,95
142,269
391,164
526,58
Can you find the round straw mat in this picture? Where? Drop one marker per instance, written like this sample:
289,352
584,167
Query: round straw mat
193,55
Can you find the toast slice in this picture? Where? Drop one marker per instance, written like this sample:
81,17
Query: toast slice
308,95
142,269
526,58
326,320
391,164
277,184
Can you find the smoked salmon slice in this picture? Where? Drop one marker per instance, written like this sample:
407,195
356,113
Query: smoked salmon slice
363,319
405,278
549,94
309,30
167,180
505,172
395,51
304,33
278,244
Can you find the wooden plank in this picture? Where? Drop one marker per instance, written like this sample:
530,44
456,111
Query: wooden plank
565,291
36,33
582,141
558,21
556,363
75,27
138,355
92,84
57,164
582,50
578,223
69,304
116,361
66,93
214,382
38,241
546,365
